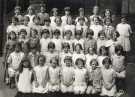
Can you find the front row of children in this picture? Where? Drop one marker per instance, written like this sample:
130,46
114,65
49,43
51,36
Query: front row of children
72,78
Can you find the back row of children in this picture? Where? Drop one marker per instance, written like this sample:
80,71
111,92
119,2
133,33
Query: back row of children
58,50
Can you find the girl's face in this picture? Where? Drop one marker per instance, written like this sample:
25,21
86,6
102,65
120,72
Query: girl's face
54,63
55,13
78,49
107,14
23,35
25,22
26,64
103,52
13,35
47,23
36,21
17,48
17,11
68,35
96,21
90,36
58,21
66,49
56,35
123,20
80,64
78,36
45,35
107,65
33,33
91,51
108,22
102,37
94,65
14,21
81,22
68,63
41,61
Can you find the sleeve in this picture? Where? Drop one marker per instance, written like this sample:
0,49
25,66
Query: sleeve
9,60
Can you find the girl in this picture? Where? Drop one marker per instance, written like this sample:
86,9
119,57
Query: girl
25,26
42,14
23,36
56,39
119,65
78,53
47,26
89,42
108,28
78,39
102,55
125,31
107,15
81,14
101,41
80,73
70,26
81,26
65,52
68,39
17,12
30,15
14,26
41,74
34,39
36,24
96,27
13,62
95,78
91,55
24,79
55,14
67,76
109,76
33,56
44,41
58,26
95,14
112,43
54,75
66,16
51,52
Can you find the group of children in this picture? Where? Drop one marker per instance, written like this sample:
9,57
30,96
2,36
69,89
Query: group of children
50,55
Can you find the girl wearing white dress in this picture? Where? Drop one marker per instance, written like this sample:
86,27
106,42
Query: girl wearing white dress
57,40
54,76
65,52
80,73
44,41
95,78
102,55
81,14
24,79
55,14
23,36
13,26
67,75
78,53
125,32
30,15
109,77
96,27
70,26
89,56
41,76
78,39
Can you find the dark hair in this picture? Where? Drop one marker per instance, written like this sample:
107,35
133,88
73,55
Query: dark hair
33,30
47,20
57,31
25,59
58,17
65,45
78,44
101,48
102,32
107,59
106,19
119,48
95,61
15,18
78,32
56,59
18,44
92,49
68,31
45,31
26,18
109,12
89,31
81,18
79,59
40,57
51,45
9,35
